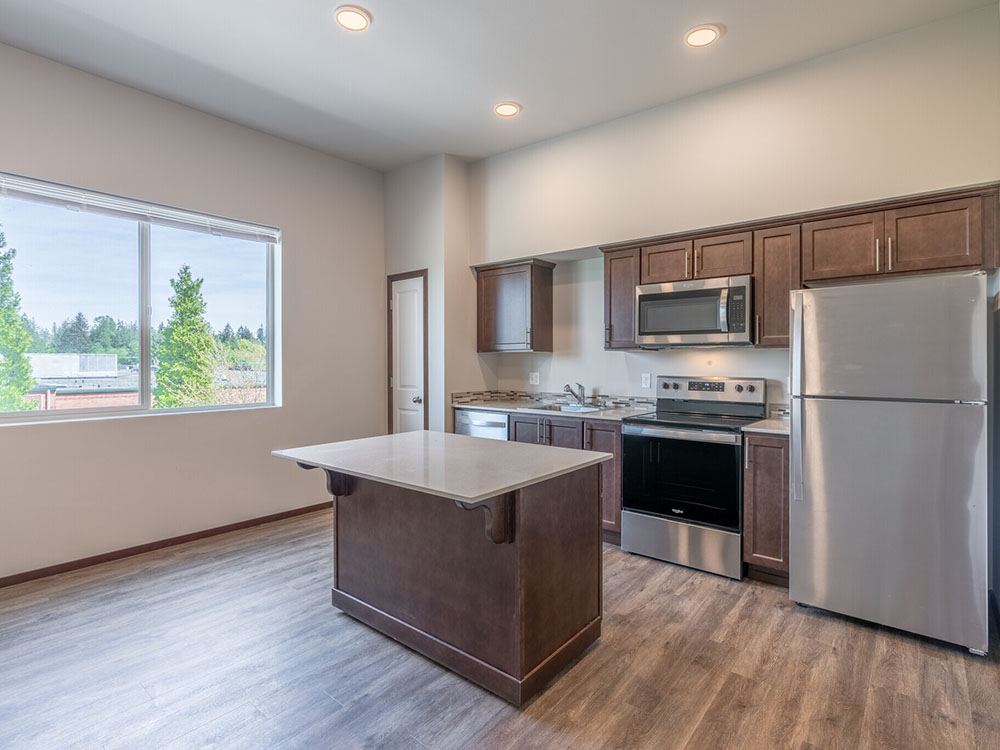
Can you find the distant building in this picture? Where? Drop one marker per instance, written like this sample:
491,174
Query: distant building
80,381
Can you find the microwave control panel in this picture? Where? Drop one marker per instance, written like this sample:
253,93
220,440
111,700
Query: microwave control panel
737,309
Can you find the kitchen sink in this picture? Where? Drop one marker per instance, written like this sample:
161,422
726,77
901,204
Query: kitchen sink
560,407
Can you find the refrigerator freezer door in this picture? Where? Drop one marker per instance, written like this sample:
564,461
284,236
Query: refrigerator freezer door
920,338
891,525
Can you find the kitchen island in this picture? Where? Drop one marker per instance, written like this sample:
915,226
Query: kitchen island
482,555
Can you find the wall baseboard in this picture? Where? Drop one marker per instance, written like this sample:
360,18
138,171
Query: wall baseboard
87,562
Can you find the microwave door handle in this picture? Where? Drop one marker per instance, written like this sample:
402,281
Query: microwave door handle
724,310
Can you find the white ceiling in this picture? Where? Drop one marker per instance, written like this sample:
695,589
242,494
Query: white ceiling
424,78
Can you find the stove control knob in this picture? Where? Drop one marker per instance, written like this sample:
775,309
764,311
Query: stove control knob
751,389
675,386
739,389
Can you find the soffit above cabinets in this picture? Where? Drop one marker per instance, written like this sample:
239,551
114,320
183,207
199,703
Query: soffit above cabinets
424,78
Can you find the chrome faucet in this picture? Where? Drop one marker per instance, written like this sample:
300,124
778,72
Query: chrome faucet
578,396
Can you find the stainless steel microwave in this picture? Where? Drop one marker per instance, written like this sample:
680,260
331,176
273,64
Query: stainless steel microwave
706,312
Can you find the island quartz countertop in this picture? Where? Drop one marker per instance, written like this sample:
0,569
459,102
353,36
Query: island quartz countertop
467,469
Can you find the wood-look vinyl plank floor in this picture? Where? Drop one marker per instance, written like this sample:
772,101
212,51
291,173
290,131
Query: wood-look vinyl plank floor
231,643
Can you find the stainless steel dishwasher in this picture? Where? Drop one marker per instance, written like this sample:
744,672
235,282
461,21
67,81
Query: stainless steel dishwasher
487,424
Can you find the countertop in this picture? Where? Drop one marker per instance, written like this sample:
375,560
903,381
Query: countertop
772,426
614,414
457,467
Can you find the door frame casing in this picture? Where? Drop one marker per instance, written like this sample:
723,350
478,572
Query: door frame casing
422,273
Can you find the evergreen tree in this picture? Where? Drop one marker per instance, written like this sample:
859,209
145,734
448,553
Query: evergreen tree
187,354
227,336
103,334
41,338
15,368
261,338
244,334
73,336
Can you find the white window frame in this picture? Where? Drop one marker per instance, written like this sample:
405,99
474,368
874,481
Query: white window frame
146,215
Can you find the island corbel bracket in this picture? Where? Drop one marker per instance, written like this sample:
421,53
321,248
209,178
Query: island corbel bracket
337,484
499,517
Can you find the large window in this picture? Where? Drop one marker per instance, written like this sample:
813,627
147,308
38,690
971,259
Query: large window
110,305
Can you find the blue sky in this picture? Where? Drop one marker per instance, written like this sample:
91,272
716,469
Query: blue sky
73,261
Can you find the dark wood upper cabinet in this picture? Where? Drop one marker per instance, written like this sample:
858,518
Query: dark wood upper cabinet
621,276
847,246
776,272
515,307
728,255
606,437
765,502
935,236
670,261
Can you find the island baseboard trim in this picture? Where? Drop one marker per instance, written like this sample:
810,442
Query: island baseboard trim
485,675
87,562
462,663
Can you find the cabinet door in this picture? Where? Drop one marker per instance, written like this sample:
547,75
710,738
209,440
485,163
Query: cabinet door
621,276
729,255
848,246
670,261
504,309
935,236
765,502
564,433
526,429
606,437
776,272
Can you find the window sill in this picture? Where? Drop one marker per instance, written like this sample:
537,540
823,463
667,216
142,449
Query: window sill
55,417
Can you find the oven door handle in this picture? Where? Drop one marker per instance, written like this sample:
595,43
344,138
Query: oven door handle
697,436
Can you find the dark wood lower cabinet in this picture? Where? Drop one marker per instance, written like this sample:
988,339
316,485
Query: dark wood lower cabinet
592,435
600,435
523,429
765,505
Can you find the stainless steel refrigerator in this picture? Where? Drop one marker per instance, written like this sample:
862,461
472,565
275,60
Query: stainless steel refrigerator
891,440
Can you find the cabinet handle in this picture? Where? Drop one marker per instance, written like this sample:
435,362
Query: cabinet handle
548,432
586,437
687,264
694,271
756,328
538,432
890,253
527,337
607,336
876,256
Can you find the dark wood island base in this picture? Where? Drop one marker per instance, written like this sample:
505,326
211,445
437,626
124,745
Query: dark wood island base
506,592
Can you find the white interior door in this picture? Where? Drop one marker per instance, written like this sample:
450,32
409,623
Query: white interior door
408,364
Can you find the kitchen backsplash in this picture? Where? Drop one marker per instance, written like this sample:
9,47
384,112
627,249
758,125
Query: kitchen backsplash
598,399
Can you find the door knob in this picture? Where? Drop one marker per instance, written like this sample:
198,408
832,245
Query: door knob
417,400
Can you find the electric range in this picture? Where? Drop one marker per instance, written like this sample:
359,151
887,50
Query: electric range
682,472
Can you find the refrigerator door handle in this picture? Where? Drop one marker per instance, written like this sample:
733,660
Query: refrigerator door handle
797,355
795,479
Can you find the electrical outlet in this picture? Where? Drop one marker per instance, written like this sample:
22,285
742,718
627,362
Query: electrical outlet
646,380
532,378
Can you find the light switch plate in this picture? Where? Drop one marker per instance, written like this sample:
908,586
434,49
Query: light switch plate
646,379
532,378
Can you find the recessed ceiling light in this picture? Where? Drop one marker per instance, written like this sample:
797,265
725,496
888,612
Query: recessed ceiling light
507,109
353,18
702,36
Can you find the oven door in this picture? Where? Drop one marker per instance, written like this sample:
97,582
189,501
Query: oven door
709,311
685,475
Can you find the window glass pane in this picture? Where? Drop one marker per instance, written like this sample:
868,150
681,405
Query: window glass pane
209,313
69,302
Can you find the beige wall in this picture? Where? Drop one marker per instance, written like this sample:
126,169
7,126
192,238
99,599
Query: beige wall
916,111
70,490
427,226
